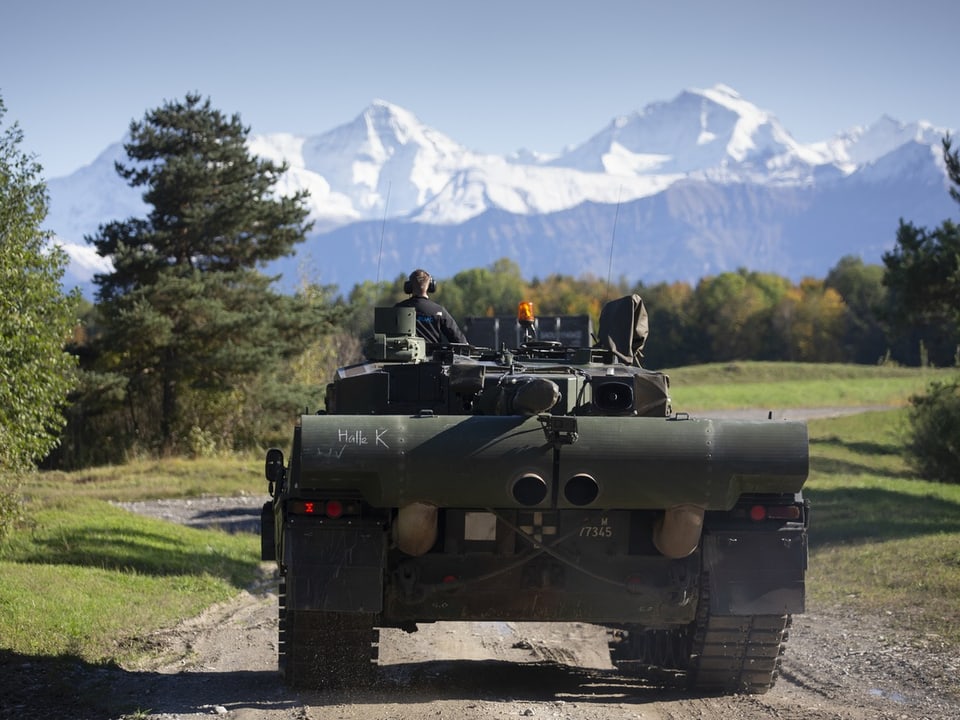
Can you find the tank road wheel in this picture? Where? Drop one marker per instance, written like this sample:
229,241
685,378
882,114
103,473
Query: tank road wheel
659,655
326,650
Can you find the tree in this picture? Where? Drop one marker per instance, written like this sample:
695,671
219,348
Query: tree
484,292
735,315
188,319
810,320
674,337
923,269
861,287
952,162
923,275
36,319
559,294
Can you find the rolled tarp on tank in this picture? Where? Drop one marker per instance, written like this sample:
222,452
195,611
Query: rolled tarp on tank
475,461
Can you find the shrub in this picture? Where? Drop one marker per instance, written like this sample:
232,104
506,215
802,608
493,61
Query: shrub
933,436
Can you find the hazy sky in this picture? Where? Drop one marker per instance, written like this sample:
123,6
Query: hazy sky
494,75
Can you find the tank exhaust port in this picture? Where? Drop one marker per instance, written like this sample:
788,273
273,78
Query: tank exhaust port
529,490
677,533
581,490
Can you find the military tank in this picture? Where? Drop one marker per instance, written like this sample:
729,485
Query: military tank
535,483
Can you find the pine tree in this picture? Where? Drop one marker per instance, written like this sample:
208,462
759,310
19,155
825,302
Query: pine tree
189,319
952,162
923,269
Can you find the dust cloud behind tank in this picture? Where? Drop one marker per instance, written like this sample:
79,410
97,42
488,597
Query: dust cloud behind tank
538,479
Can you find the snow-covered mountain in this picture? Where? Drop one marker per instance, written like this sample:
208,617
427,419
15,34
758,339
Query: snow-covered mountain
700,184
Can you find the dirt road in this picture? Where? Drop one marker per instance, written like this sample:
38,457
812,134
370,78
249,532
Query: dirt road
224,663
835,667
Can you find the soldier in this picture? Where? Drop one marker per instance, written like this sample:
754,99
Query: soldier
434,323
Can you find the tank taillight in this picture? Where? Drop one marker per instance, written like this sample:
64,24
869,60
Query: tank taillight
332,508
784,512
759,513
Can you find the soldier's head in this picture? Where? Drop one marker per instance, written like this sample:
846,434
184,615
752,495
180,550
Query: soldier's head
419,284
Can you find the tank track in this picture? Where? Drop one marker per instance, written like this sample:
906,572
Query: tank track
715,653
738,653
319,650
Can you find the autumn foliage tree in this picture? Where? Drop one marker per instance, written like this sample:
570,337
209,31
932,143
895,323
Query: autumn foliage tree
809,318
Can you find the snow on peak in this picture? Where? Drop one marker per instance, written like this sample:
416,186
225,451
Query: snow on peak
697,130
384,117
862,145
384,160
721,89
728,97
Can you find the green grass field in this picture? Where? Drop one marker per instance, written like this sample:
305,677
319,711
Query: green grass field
784,385
882,542
89,580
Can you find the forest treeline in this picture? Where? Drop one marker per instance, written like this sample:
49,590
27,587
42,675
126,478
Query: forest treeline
851,316
848,316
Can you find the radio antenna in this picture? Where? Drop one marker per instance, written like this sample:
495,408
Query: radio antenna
383,227
613,238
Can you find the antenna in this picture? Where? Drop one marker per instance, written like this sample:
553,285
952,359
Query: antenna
383,227
613,238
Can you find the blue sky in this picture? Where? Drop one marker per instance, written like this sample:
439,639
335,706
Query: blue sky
494,75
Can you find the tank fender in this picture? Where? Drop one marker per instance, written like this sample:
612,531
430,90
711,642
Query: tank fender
415,529
677,533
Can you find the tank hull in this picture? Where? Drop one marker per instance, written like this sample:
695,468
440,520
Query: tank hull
475,461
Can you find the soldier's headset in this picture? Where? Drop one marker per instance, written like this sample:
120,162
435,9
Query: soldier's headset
408,285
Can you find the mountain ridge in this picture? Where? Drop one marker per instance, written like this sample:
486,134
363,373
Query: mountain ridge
691,162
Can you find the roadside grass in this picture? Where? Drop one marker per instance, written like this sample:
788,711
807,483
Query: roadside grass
882,542
143,479
89,580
